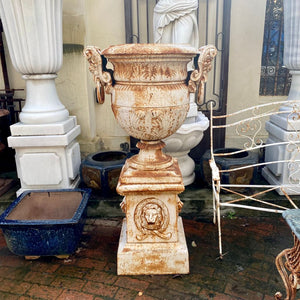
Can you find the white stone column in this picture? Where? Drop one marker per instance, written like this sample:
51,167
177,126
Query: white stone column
33,30
47,154
281,128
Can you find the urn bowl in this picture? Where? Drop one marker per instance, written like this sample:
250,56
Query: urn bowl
150,95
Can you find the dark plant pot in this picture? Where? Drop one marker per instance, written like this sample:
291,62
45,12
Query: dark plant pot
45,223
101,170
243,176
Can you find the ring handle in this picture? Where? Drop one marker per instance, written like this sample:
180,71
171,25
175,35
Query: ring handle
103,77
203,64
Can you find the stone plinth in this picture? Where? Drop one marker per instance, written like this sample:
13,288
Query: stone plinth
48,155
152,239
154,258
280,174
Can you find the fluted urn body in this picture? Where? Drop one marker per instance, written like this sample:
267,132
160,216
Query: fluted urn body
33,31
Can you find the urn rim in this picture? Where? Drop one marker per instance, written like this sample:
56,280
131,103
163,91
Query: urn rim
149,49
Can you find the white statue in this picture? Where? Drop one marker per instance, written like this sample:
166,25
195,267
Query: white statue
175,22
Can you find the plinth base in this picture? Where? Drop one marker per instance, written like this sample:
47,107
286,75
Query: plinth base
153,258
47,155
282,173
272,179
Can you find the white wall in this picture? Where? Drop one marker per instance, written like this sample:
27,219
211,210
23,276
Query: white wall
105,26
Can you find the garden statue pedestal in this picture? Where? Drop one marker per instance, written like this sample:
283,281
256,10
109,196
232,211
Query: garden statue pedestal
47,154
183,140
150,99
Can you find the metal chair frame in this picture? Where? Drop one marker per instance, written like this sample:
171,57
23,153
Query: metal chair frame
248,125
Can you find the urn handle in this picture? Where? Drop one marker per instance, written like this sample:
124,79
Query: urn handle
203,64
103,77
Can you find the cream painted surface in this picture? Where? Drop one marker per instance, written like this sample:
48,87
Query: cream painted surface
72,83
105,26
246,40
73,94
90,23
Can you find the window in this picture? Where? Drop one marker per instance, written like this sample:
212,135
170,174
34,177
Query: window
275,79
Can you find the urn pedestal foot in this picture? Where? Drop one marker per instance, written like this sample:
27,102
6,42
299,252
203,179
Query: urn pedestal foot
153,258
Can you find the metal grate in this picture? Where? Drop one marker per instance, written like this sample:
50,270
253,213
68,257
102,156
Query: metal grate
14,106
275,79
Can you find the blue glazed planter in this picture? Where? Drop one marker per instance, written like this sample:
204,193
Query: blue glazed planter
45,223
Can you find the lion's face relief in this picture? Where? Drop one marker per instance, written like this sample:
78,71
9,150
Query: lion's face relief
151,216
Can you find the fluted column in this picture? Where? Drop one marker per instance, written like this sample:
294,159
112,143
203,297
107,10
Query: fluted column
291,58
33,30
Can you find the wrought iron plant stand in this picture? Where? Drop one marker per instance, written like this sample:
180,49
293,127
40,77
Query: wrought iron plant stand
288,261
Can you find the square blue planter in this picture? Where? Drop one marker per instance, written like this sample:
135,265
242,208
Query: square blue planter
45,223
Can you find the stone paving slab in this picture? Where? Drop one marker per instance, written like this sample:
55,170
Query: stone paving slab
247,271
